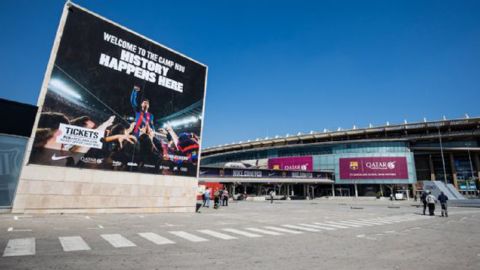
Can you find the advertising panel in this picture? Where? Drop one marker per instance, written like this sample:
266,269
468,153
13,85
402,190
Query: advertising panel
373,168
261,174
118,101
291,163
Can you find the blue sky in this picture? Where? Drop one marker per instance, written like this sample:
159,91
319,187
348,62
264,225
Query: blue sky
278,67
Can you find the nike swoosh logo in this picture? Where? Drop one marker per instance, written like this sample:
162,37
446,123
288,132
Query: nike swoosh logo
55,157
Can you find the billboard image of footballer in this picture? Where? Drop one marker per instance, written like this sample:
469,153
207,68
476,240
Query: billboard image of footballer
118,101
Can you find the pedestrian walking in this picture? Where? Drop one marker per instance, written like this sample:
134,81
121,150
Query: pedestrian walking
206,198
442,198
271,196
225,198
431,204
216,199
423,198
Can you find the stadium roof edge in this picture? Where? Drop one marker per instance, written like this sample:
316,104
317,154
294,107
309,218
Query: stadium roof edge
353,131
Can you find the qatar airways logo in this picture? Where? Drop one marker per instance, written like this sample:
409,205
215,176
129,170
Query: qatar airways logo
296,167
380,165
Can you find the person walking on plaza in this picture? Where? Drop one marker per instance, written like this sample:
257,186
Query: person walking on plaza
271,196
442,198
423,198
216,199
431,203
225,198
206,198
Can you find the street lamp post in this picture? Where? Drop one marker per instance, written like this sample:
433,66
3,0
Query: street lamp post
443,158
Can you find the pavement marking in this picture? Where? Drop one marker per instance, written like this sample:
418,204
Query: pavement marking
11,229
370,222
100,226
73,243
331,225
20,247
188,236
342,224
244,233
389,231
155,238
87,217
117,241
282,230
360,224
218,235
263,231
318,227
300,228
361,235
15,217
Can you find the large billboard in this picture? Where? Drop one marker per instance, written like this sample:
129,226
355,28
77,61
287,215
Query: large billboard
304,163
373,168
118,101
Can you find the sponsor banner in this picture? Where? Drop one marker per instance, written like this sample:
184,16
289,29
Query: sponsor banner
256,173
118,101
291,163
373,168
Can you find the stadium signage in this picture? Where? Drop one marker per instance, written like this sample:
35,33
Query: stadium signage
291,163
373,168
115,100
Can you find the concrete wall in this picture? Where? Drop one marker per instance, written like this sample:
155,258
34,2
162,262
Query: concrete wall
47,189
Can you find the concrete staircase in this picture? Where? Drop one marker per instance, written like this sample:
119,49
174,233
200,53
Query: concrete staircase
448,189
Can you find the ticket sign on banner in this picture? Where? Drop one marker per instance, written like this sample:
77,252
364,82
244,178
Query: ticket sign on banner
291,163
373,168
80,136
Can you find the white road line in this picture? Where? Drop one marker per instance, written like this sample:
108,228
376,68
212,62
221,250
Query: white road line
117,241
331,225
342,224
318,227
263,231
155,238
300,228
377,221
10,229
100,226
87,217
282,230
15,217
244,233
73,243
188,236
20,247
361,223
218,235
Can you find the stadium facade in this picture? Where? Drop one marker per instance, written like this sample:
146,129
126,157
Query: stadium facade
371,161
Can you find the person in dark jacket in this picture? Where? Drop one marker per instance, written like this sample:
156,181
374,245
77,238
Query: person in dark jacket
423,198
442,198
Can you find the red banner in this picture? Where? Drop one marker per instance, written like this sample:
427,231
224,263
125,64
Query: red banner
373,168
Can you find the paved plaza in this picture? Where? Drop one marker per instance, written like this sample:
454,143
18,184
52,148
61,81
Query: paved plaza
318,234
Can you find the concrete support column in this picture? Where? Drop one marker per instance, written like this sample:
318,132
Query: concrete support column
454,170
476,162
356,190
333,190
432,171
